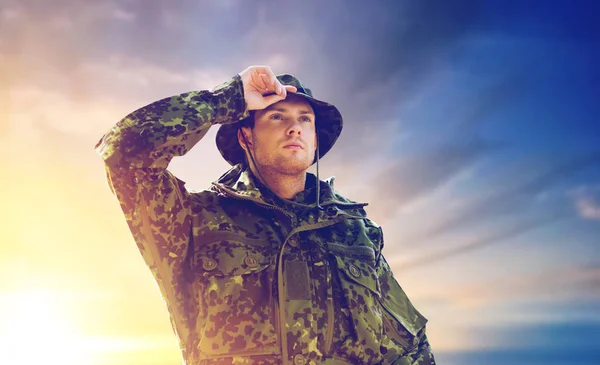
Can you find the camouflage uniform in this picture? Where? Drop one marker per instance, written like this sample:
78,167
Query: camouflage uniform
249,278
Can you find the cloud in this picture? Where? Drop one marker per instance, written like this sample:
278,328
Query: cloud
121,14
10,14
413,176
587,202
93,95
577,283
78,13
450,227
504,233
510,190
588,208
562,292
142,79
410,37
304,44
527,344
436,158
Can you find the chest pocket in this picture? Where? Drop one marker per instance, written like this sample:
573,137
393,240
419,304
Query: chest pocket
358,272
378,316
402,322
227,258
358,314
238,316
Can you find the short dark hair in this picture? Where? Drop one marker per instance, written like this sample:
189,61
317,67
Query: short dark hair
248,121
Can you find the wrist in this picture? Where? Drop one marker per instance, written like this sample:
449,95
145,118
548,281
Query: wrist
229,103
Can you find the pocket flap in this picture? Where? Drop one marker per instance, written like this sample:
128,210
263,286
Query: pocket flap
358,272
227,259
396,302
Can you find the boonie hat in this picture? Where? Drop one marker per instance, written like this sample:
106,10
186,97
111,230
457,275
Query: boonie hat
327,117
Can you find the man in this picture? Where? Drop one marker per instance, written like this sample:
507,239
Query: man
269,265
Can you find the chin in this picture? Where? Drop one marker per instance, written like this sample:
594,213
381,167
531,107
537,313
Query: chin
292,166
294,169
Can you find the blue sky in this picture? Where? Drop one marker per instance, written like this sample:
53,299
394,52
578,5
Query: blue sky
471,127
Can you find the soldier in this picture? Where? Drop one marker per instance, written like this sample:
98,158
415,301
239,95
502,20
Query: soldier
269,265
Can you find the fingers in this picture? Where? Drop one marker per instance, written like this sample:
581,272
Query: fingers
272,99
265,81
262,88
272,85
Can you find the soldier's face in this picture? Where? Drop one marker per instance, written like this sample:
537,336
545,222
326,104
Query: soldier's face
283,137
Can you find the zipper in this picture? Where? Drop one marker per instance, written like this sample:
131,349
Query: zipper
281,305
329,329
329,301
256,201
277,321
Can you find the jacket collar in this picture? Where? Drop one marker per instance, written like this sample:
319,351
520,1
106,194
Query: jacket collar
239,182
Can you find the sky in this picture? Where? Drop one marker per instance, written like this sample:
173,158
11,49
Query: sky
472,129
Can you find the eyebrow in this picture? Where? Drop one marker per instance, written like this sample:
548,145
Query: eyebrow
283,110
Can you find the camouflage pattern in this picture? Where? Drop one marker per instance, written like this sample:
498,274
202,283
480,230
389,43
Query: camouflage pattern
328,120
249,278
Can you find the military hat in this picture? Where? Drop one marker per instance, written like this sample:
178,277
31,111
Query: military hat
327,117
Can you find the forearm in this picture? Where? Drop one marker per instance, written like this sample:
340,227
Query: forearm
152,135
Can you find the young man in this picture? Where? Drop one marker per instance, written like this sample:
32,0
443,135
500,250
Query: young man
269,265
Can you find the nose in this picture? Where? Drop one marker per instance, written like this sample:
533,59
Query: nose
294,129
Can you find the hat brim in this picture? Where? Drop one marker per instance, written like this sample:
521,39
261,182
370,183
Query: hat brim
328,121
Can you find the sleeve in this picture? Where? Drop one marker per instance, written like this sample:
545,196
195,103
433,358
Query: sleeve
137,151
404,322
152,135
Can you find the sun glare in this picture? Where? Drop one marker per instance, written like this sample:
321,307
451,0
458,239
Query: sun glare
35,330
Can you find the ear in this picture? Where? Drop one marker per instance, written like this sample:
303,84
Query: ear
248,135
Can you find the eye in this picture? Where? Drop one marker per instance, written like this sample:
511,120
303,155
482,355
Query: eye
305,119
275,116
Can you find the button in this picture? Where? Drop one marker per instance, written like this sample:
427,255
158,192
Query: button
293,242
299,360
354,271
209,264
251,261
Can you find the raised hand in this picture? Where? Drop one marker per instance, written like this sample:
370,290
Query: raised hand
261,87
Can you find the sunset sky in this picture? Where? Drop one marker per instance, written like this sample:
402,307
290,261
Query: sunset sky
472,129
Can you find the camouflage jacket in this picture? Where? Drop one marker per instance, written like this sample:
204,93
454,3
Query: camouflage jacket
245,280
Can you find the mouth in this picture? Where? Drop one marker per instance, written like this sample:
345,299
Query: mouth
293,146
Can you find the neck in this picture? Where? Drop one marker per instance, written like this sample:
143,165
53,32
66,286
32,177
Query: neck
284,186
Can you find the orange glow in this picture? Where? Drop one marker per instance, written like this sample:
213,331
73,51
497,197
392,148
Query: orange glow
35,330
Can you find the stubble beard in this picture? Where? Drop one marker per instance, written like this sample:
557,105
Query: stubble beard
274,164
